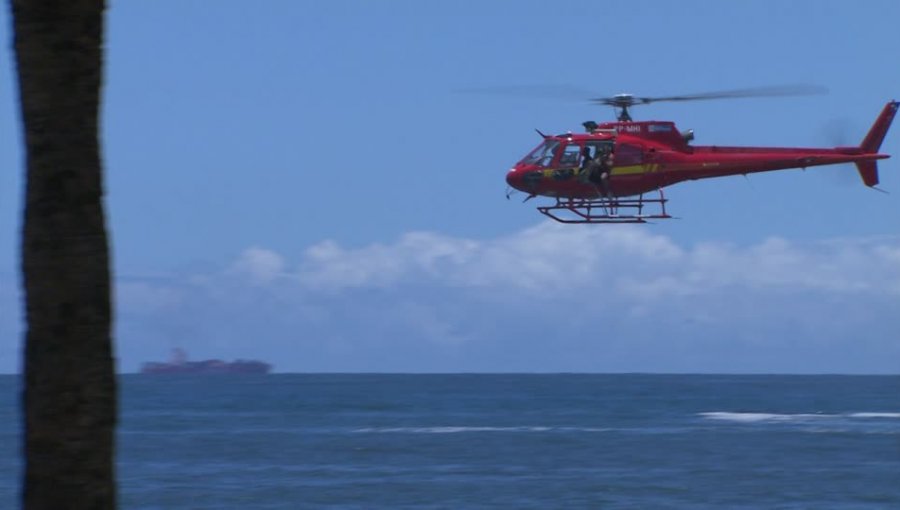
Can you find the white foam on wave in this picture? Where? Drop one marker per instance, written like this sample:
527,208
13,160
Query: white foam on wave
457,430
875,415
764,417
798,417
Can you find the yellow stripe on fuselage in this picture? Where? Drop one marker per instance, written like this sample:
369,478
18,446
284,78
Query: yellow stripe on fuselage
551,173
633,169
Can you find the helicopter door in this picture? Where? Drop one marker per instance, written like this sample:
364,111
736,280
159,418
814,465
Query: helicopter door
629,155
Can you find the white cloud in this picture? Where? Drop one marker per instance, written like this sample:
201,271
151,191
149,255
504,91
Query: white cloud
631,261
548,297
328,266
260,265
546,256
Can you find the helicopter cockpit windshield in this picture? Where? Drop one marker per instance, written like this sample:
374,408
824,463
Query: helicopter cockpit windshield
543,154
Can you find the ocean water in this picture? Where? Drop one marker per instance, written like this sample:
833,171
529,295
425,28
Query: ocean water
498,441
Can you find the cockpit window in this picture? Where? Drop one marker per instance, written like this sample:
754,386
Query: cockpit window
543,154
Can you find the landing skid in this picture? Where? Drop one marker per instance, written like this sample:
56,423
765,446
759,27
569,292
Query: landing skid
606,210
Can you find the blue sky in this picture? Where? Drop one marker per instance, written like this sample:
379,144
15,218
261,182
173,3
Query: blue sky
303,182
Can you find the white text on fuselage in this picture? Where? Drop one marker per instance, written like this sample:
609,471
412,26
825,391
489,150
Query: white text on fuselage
639,128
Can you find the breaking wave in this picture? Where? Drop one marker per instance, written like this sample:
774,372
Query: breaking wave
875,415
798,417
764,417
458,430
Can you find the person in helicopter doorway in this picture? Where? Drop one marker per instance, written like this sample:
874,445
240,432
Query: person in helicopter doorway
584,168
599,169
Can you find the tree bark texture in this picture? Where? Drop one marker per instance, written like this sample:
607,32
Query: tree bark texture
69,395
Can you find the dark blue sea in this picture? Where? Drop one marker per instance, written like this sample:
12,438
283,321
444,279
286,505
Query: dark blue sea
498,441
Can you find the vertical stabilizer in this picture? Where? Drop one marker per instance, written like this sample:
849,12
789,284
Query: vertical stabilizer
872,142
868,169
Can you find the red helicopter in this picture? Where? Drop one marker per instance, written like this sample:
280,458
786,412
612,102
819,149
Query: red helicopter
615,172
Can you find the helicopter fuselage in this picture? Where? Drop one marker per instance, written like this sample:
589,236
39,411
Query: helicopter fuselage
650,155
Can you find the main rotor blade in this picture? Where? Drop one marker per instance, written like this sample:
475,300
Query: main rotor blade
624,101
774,91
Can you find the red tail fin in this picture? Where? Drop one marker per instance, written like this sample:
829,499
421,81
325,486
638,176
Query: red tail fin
868,169
872,142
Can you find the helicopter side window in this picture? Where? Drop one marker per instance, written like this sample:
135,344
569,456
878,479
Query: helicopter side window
627,155
596,148
570,155
543,154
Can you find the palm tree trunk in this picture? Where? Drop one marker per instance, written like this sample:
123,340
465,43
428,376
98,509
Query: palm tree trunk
70,387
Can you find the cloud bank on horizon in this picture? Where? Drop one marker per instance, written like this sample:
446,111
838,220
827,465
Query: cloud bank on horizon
546,299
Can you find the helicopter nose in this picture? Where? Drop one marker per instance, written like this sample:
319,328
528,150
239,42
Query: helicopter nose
515,179
511,177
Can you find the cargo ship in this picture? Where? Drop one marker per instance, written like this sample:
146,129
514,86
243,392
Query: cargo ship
179,364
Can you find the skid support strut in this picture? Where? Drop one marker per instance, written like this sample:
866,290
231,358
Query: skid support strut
607,210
